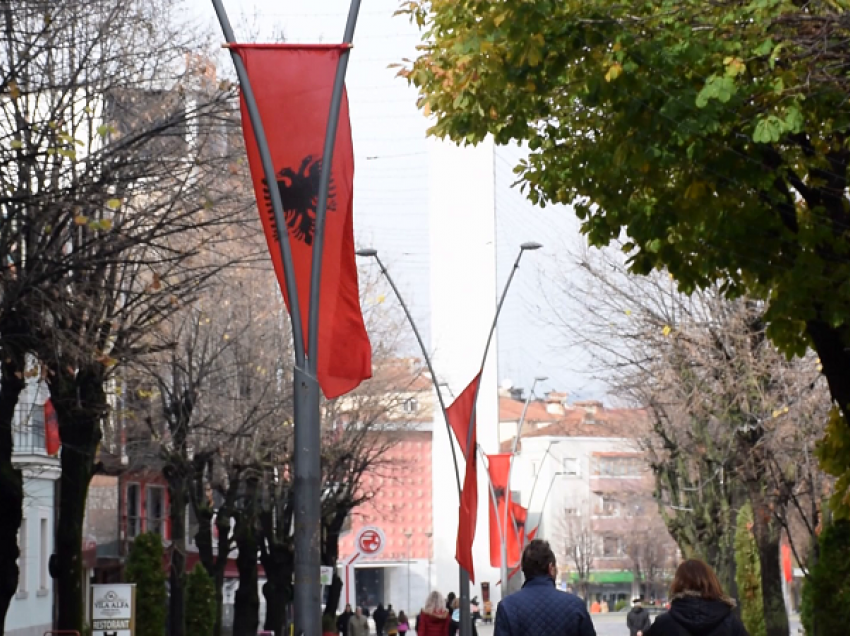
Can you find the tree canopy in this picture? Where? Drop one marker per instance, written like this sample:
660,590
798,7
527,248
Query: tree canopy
715,135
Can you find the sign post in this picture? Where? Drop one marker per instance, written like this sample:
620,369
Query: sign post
113,609
370,542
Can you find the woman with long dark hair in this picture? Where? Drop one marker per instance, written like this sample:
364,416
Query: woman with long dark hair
698,606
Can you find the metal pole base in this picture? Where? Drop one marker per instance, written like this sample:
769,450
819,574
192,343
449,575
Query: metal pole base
465,602
307,485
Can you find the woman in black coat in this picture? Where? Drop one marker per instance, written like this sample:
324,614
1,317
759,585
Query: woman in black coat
698,606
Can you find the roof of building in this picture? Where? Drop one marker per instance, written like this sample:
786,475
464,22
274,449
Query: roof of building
581,419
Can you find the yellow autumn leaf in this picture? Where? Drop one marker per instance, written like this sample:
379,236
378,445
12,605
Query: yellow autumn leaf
381,299
14,91
628,312
614,72
81,219
497,20
666,331
113,204
17,144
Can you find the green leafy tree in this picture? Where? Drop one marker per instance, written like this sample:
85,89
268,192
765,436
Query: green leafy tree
713,134
826,591
200,602
748,573
144,568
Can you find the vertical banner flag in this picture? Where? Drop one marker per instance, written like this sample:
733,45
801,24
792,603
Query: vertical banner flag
516,533
499,467
293,85
52,441
460,418
787,569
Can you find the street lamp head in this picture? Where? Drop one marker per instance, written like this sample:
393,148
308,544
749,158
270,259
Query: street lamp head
530,245
541,378
367,251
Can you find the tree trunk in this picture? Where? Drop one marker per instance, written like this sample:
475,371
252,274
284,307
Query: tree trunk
832,347
767,534
177,575
80,403
278,561
247,605
330,556
11,480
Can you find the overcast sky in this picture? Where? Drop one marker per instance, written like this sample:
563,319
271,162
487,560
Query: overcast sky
391,179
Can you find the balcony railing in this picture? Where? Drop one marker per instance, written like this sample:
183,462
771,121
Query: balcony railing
29,439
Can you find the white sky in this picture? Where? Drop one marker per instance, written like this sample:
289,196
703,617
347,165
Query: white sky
391,177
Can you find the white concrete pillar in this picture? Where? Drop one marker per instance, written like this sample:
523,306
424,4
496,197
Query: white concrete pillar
463,303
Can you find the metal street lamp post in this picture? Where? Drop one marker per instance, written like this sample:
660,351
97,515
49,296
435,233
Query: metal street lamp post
408,535
465,599
429,535
507,496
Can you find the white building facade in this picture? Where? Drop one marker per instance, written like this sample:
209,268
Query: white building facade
31,610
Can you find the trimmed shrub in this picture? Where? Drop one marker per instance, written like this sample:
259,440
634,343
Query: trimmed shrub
144,568
825,609
748,574
200,602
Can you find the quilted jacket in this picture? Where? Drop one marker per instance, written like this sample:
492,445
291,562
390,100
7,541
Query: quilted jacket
539,609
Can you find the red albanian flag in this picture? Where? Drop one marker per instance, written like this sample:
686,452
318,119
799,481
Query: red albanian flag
461,422
292,85
52,441
498,466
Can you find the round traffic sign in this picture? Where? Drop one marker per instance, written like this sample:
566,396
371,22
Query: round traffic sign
370,541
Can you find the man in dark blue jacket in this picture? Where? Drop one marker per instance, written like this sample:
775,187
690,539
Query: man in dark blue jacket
539,609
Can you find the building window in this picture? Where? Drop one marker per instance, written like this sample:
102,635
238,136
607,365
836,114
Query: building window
155,508
629,466
611,546
44,553
23,558
134,510
571,466
608,506
411,405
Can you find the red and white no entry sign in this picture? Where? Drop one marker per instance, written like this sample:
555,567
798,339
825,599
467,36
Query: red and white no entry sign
370,541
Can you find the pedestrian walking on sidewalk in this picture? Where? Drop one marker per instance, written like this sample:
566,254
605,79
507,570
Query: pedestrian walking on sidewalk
638,620
698,606
358,625
433,619
539,608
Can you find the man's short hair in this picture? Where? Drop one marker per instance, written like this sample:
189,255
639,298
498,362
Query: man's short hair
536,559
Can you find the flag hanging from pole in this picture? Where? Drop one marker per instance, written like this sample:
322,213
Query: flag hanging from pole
52,440
460,414
499,467
516,532
292,85
460,418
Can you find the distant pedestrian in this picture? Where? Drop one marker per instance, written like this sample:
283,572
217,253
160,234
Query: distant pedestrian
539,608
454,625
380,619
403,623
342,620
434,618
449,600
697,605
638,620
359,624
391,623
